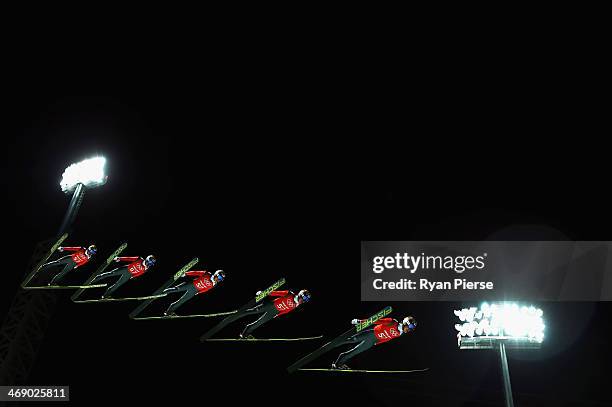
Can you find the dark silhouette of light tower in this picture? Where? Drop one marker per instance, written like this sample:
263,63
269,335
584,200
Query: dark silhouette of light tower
24,327
500,326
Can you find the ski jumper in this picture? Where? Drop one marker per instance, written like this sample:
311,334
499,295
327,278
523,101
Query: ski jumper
200,284
283,303
134,269
384,330
78,258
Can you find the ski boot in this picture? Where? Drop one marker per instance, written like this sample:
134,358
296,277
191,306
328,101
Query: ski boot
340,367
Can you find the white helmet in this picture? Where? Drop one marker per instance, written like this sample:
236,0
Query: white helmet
410,322
219,275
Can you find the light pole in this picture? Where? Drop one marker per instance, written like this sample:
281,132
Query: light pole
500,326
76,178
24,327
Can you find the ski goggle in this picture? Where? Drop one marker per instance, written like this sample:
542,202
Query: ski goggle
305,297
411,326
149,262
92,249
219,276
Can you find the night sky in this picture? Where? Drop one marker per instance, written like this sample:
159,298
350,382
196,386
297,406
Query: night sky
281,178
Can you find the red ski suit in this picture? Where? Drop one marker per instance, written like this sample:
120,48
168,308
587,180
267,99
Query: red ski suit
284,301
385,329
203,282
79,256
136,266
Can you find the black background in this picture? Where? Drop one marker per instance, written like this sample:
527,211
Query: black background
268,173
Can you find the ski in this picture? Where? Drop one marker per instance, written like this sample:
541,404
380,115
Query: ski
246,306
363,371
100,270
332,344
52,250
264,294
263,339
176,276
185,316
148,297
60,287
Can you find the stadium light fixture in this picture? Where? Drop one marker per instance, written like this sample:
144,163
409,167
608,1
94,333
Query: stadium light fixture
500,326
89,173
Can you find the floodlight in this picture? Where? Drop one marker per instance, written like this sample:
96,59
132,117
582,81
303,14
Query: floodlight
500,326
89,172
500,321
